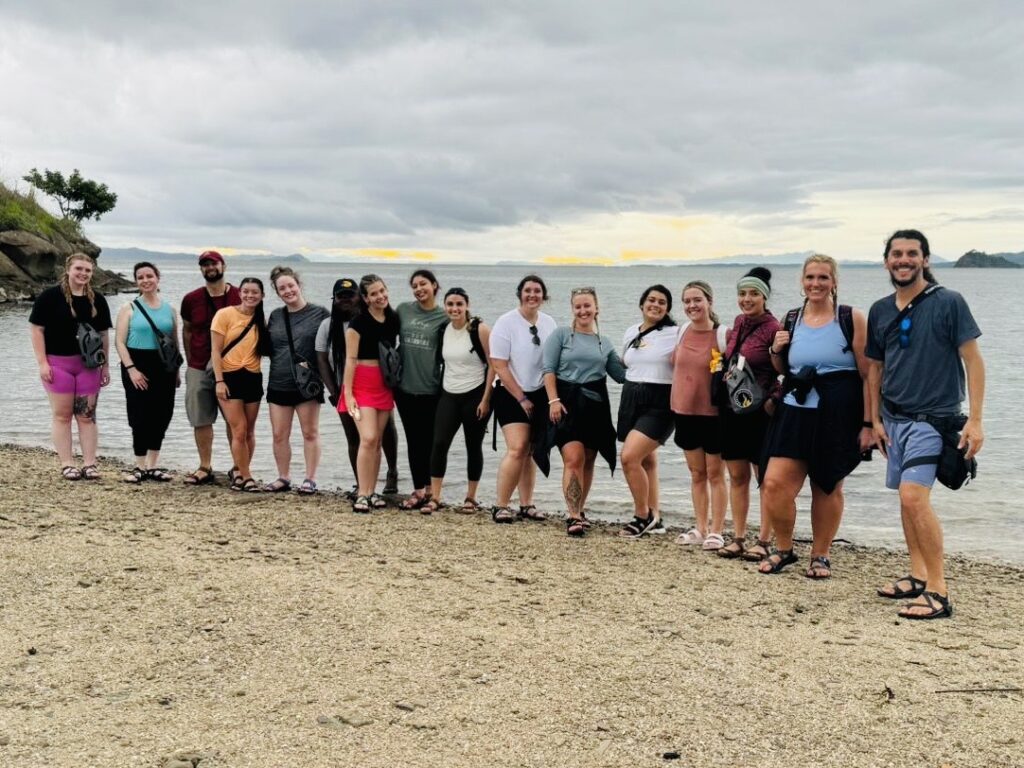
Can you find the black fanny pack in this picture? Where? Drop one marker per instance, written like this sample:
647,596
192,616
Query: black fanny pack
952,467
90,345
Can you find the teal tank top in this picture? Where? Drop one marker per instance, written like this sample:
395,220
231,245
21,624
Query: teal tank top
140,333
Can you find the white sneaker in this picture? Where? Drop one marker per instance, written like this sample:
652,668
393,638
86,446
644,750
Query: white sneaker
692,537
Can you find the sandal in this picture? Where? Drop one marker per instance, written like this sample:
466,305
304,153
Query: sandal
238,483
502,515
585,520
231,474
898,593
530,512
691,537
430,507
732,550
308,487
195,478
777,561
249,485
713,543
361,505
756,553
160,475
415,501
90,472
134,476
278,486
574,526
638,527
71,473
938,605
377,501
820,568
470,506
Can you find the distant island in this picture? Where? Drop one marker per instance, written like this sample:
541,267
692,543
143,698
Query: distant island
981,260
132,255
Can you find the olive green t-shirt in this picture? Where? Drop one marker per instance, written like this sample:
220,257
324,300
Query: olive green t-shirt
418,339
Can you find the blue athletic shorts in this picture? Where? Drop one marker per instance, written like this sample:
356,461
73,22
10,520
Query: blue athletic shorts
910,440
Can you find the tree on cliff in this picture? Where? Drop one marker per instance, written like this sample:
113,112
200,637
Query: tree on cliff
78,198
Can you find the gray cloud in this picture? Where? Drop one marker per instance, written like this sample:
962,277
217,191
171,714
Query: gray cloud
373,119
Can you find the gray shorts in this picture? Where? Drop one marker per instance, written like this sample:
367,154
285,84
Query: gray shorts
910,440
200,398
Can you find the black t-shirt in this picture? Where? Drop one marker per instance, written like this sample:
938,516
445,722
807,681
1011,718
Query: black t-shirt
60,329
371,333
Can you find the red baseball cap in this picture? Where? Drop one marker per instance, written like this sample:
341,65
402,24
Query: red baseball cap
210,256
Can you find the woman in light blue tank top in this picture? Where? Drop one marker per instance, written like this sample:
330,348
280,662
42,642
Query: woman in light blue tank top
823,424
148,387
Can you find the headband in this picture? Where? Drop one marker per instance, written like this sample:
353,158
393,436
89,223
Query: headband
759,285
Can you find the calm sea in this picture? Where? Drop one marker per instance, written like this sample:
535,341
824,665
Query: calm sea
982,519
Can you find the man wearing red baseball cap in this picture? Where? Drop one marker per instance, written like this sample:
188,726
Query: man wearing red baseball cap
197,311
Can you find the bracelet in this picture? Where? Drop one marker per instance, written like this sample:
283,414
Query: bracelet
556,400
524,399
869,425
218,381
129,367
772,352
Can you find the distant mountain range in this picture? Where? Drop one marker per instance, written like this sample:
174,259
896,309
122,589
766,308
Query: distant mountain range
140,254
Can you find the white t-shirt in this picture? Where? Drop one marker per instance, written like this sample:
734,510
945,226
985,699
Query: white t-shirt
464,371
320,344
511,340
651,362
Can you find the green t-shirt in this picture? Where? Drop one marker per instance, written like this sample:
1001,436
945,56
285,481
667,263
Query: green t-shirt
418,347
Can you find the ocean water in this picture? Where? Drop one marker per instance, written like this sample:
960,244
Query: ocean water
981,520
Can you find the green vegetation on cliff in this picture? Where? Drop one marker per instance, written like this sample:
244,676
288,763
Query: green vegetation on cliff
22,212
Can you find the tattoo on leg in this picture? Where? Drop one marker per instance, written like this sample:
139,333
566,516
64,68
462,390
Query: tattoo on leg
574,496
82,407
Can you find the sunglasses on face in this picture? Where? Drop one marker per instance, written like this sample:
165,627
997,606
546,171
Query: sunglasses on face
905,325
536,335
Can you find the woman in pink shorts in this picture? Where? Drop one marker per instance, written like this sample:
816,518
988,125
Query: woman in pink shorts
364,394
72,380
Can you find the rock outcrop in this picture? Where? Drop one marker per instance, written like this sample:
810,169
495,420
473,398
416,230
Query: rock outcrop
982,260
30,262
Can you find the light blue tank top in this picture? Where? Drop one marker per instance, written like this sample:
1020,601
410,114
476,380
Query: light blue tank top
140,333
822,348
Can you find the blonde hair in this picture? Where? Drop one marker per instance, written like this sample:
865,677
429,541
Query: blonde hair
833,266
65,282
572,326
704,288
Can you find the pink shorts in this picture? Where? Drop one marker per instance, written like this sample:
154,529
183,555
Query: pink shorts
71,377
369,390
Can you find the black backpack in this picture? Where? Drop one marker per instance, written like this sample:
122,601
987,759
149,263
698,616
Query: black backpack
474,341
845,314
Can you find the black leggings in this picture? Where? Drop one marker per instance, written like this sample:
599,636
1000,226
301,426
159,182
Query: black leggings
417,414
150,409
452,411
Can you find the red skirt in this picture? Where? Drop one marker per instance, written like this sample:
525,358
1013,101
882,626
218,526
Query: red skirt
369,390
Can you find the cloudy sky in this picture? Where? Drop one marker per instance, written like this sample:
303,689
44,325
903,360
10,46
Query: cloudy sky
559,131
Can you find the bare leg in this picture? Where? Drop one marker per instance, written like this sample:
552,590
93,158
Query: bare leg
650,465
514,465
234,413
60,426
782,483
826,515
636,451
371,427
719,495
204,443
588,473
926,551
573,461
739,495
281,429
88,434
309,423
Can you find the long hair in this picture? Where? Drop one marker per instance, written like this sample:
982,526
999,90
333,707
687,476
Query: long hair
667,320
364,285
65,282
336,337
262,337
429,276
572,326
926,251
709,294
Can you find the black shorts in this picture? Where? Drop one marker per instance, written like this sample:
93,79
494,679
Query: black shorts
509,411
743,436
290,397
244,385
645,408
792,433
703,432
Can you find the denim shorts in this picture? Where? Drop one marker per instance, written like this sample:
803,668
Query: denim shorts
910,440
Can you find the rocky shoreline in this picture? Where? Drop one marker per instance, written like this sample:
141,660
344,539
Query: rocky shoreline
172,626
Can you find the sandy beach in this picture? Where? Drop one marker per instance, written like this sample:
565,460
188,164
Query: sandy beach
162,625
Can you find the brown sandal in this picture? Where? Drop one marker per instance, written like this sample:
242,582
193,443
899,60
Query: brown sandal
732,550
753,556
195,478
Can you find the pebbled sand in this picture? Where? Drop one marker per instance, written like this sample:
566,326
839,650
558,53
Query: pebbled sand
166,626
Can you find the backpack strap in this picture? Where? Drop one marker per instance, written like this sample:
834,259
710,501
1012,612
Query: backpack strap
845,317
231,345
474,340
916,301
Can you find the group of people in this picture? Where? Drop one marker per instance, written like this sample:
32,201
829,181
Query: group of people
780,401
